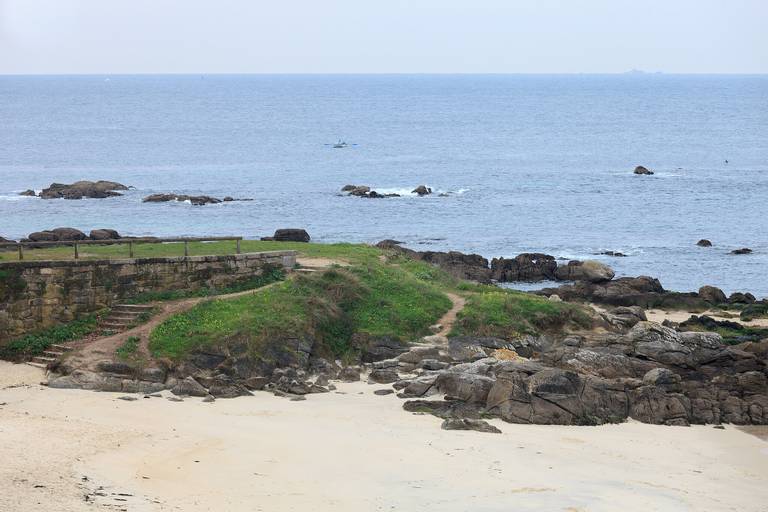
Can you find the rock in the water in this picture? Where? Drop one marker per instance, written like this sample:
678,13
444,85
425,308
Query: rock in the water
104,234
642,170
28,193
704,243
82,189
524,267
743,250
712,294
590,270
422,190
194,200
468,424
291,235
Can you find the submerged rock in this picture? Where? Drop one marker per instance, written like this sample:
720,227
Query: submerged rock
642,170
422,190
743,250
704,243
28,193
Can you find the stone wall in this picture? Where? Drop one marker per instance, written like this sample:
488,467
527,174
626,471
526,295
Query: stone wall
38,294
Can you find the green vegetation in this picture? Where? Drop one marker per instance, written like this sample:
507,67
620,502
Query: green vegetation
330,306
34,344
270,275
129,348
501,313
754,311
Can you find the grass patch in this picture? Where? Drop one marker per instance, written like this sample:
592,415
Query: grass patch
35,344
328,306
129,348
269,276
354,253
507,314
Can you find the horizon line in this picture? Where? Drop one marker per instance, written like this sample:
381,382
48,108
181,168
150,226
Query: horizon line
634,73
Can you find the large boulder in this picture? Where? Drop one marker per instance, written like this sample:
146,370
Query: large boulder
83,189
713,295
590,270
42,236
704,243
422,190
69,234
104,234
291,235
471,267
28,193
524,267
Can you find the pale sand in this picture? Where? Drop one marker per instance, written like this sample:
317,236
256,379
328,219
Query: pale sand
659,315
349,452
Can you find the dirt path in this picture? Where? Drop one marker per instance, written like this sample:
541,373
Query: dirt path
88,352
449,318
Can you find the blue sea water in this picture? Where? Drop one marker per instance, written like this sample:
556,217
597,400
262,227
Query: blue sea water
531,163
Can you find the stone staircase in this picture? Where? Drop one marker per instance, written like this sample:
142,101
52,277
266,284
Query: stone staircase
50,356
124,316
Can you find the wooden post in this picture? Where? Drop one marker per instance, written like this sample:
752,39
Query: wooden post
186,249
130,249
21,252
76,253
238,246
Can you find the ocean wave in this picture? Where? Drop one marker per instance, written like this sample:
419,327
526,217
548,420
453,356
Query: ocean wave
408,192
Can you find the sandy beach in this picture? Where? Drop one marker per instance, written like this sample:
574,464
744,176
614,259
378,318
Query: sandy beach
351,450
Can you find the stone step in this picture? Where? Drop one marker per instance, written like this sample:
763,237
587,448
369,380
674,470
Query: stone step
63,348
128,314
114,326
139,308
43,359
53,353
37,365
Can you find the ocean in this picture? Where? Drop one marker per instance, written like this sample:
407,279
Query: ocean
528,163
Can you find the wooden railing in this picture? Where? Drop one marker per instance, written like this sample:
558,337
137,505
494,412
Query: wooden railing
120,241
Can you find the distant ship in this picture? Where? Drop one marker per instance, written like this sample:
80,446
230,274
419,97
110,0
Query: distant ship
340,144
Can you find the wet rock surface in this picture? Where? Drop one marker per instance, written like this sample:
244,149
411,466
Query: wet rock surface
82,190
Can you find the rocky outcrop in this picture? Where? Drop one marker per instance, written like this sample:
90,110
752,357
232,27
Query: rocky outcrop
28,193
57,235
422,190
642,291
83,189
590,270
472,267
642,170
649,373
743,250
524,267
195,200
704,243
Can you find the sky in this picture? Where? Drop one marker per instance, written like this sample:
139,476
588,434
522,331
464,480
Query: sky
382,36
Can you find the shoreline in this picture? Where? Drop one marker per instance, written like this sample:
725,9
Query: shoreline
268,453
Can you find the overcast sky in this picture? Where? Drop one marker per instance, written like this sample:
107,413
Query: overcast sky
383,36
